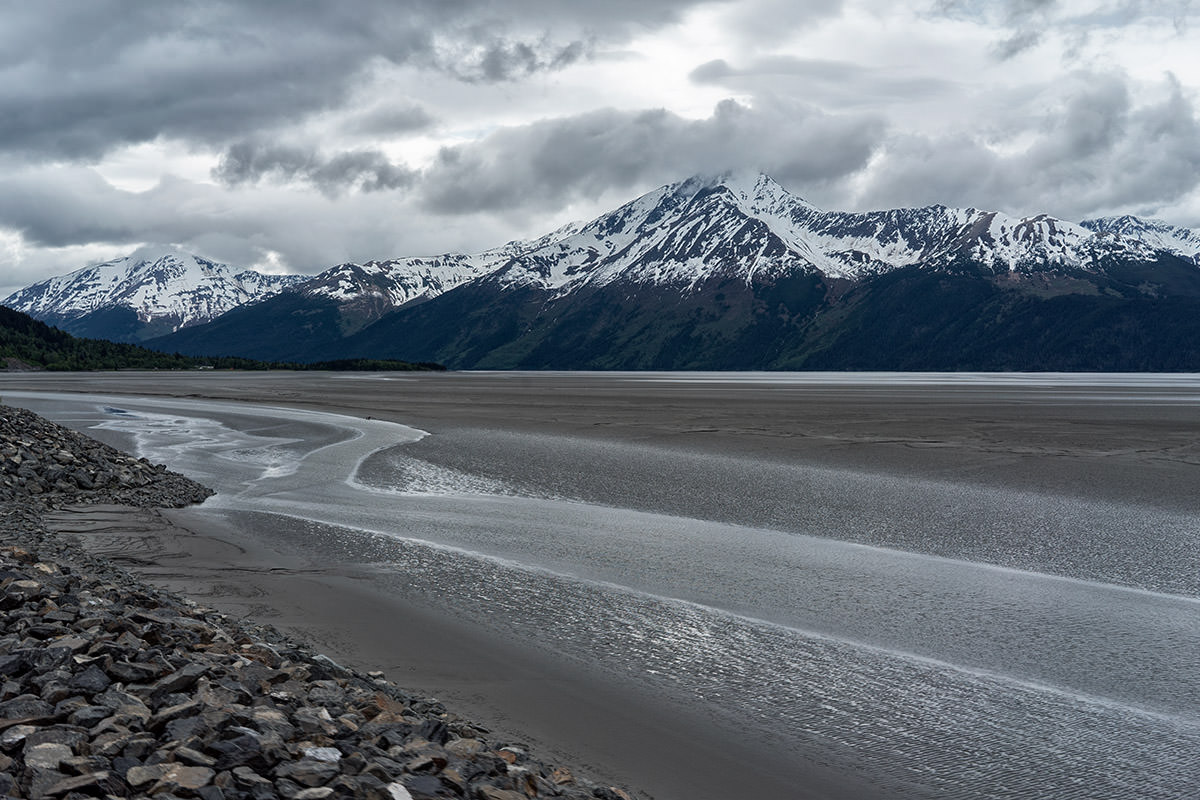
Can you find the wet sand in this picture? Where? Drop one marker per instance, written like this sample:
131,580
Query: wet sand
1075,437
1107,444
609,731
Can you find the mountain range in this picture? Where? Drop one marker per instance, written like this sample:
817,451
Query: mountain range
734,272
149,293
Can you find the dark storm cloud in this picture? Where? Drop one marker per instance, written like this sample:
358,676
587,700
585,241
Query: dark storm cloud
77,79
63,207
1098,150
368,170
547,164
503,60
80,78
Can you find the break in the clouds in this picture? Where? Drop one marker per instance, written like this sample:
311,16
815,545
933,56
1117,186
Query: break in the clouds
299,134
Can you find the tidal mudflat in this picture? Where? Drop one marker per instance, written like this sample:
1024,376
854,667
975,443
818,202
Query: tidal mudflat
714,585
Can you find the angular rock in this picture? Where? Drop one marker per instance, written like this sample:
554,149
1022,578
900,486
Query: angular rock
84,765
235,752
40,780
178,776
330,754
89,716
315,793
46,756
92,780
162,717
179,681
92,680
68,735
308,771
247,777
194,757
492,793
124,703
398,791
133,672
15,664
25,706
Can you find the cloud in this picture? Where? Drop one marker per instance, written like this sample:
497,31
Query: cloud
832,83
1016,44
78,80
69,210
367,170
388,119
1024,24
117,74
495,60
63,207
1098,149
769,22
550,163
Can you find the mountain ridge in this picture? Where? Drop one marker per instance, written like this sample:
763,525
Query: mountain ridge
733,266
145,294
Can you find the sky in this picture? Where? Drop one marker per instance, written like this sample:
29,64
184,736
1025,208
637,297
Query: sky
291,136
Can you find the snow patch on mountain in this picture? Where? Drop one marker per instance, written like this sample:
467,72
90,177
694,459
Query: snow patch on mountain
1183,242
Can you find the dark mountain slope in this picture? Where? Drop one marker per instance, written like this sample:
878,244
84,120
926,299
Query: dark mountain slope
916,320
287,327
722,324
960,318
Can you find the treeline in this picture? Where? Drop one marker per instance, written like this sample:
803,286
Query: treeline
35,344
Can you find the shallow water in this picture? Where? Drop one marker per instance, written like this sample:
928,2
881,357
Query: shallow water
939,638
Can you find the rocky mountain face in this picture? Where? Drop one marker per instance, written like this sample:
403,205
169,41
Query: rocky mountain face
149,293
736,272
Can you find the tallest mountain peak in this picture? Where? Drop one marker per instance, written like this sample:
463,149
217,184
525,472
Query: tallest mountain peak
757,189
736,179
153,253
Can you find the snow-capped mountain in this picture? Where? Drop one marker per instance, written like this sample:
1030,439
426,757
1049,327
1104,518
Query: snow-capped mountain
367,291
750,227
1183,242
150,292
736,272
